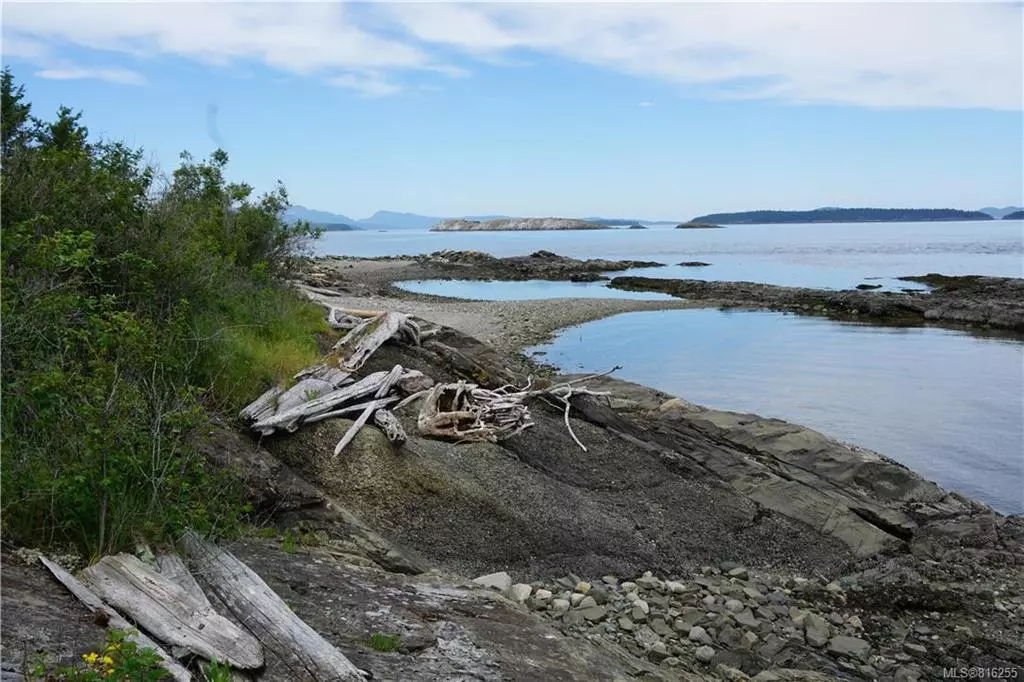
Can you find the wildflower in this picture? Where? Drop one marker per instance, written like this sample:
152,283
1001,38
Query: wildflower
90,658
108,661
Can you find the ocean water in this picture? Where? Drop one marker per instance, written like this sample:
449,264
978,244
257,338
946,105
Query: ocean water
828,255
947,404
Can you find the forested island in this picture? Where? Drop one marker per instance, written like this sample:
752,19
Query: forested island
1016,215
843,215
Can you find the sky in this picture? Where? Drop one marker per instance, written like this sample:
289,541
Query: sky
645,110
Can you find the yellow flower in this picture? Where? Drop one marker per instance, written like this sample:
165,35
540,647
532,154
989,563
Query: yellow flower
108,661
90,658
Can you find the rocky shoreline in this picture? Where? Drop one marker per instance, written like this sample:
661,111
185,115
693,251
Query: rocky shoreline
685,543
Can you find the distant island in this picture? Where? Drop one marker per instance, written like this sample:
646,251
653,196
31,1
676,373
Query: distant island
626,222
696,225
1016,215
515,224
336,227
843,215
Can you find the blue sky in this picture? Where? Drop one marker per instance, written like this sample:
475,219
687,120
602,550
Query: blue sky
570,109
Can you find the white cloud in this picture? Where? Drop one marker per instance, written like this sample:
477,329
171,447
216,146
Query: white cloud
881,54
115,75
645,104
368,85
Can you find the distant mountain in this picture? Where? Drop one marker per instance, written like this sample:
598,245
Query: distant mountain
297,212
998,213
843,215
1016,215
396,220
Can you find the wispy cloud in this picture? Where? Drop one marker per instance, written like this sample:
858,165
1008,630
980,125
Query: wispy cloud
645,104
366,85
869,54
114,75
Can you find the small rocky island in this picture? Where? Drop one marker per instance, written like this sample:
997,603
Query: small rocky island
697,225
514,224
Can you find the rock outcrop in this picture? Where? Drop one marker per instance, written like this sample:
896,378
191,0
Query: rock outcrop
506,224
996,302
537,265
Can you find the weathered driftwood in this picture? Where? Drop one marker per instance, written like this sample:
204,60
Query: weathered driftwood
251,601
172,567
379,403
366,386
385,386
171,613
115,621
467,412
359,344
387,422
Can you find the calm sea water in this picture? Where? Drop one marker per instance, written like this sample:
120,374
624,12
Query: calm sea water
835,255
945,403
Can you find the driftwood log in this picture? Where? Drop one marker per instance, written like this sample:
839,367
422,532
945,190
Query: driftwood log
171,613
250,600
115,621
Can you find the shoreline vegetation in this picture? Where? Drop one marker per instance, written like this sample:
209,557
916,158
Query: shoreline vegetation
614,532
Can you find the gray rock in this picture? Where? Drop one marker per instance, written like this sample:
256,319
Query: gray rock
649,582
626,625
587,602
690,615
610,580
797,615
658,652
755,594
854,622
907,673
772,646
749,640
740,573
599,594
675,587
558,607
705,654
816,630
662,628
576,599
582,587
746,619
672,662
699,634
543,596
734,605
646,637
520,592
595,613
849,647
501,581
916,649
730,637
629,587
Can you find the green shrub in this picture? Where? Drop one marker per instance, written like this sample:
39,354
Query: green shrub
130,309
120,660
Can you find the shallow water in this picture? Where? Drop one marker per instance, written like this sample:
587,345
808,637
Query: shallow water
947,404
836,255
526,290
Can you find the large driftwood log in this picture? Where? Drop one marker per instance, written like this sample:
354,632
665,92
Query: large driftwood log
360,343
170,612
365,387
308,656
115,621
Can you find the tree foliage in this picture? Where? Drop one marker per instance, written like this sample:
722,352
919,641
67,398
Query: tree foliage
131,305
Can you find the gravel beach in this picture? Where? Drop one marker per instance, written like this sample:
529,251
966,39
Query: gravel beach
508,325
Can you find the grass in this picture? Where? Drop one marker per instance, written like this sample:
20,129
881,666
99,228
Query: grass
385,643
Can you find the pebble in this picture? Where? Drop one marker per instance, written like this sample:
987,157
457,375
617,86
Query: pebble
626,625
640,614
851,647
699,634
662,628
704,654
740,573
587,602
658,652
520,592
558,607
629,587
816,630
610,580
734,605
576,599
582,587
595,613
854,622
746,619
542,596
749,639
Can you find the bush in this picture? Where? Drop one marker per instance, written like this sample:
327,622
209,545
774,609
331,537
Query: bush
130,308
